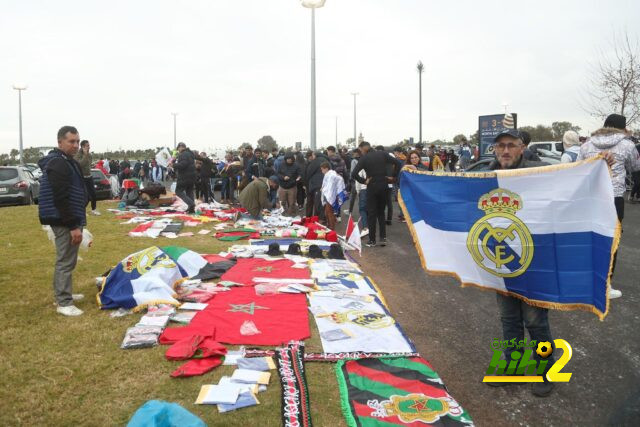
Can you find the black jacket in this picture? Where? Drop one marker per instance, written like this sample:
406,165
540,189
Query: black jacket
206,170
185,166
375,164
530,155
293,171
313,174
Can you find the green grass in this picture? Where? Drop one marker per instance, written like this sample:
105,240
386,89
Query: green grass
70,371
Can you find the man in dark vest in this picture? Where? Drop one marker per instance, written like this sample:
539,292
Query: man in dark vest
62,204
185,166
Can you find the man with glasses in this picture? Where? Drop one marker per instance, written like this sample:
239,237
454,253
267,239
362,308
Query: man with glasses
516,314
62,204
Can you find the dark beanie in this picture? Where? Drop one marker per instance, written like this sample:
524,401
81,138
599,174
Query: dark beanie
616,121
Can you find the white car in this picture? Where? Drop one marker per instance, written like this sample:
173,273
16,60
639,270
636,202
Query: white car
553,146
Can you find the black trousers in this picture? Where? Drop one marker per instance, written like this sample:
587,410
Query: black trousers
205,189
91,192
301,195
390,192
314,204
619,203
185,192
377,195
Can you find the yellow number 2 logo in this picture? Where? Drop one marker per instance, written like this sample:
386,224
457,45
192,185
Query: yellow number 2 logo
554,374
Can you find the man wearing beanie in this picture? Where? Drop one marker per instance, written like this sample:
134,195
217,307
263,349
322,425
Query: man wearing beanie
612,141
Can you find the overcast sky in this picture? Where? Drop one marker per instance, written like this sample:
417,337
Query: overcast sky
237,70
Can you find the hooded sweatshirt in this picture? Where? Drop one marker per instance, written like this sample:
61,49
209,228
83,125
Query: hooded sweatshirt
291,170
624,152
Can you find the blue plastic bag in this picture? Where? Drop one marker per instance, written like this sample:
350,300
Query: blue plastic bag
158,413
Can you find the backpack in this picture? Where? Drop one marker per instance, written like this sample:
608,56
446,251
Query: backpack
571,154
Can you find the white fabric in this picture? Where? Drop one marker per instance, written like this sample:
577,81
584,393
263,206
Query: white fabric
387,339
332,185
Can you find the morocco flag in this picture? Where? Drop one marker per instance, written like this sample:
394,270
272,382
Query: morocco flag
352,235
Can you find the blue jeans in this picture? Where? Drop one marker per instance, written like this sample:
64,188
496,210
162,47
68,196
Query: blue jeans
225,191
362,207
516,315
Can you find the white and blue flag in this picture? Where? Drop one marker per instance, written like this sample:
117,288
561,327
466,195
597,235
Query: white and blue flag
546,235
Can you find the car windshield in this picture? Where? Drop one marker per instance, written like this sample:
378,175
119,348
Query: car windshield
97,174
7,174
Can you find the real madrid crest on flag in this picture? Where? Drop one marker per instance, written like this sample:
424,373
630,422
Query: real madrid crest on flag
499,242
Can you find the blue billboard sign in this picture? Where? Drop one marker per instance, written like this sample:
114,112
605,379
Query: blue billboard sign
488,128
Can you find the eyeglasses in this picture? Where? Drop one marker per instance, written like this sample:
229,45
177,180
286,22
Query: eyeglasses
501,147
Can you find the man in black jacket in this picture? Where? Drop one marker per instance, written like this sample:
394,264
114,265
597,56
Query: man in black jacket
289,174
516,314
62,204
314,176
206,173
375,164
185,166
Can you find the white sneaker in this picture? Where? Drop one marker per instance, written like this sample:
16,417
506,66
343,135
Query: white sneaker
95,212
365,232
70,310
77,297
339,219
614,293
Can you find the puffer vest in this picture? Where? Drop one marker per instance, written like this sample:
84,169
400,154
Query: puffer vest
49,214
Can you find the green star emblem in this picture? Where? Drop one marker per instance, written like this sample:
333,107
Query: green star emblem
246,308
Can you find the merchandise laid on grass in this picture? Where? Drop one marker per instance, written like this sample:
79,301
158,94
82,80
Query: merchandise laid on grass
200,307
395,391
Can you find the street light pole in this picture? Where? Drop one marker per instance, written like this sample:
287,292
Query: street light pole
313,5
420,71
20,88
355,141
175,141
336,131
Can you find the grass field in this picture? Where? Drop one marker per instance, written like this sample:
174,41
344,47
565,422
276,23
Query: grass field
70,371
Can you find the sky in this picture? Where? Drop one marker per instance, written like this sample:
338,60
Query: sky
238,70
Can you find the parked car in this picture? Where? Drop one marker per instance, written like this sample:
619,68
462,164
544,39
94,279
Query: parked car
34,169
18,186
101,184
555,147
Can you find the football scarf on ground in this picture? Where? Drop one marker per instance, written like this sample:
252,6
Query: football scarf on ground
395,391
239,316
246,269
544,235
148,277
348,325
295,395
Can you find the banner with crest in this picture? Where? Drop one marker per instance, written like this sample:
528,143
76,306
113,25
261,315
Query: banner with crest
546,235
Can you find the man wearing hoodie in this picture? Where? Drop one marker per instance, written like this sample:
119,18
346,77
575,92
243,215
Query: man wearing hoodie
289,174
63,197
612,140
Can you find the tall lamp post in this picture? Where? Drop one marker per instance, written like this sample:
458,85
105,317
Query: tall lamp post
313,5
20,88
420,68
355,141
175,142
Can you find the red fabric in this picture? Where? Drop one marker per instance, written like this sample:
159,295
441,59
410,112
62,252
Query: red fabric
184,349
331,236
210,347
129,183
211,259
311,235
172,335
248,268
197,367
279,318
142,227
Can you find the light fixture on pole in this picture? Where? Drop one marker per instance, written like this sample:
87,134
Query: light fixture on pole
175,141
313,5
355,141
420,68
20,88
505,105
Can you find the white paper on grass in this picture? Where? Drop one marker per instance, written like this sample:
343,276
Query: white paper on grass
218,393
197,306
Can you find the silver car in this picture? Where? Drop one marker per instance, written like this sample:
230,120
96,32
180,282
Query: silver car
18,186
